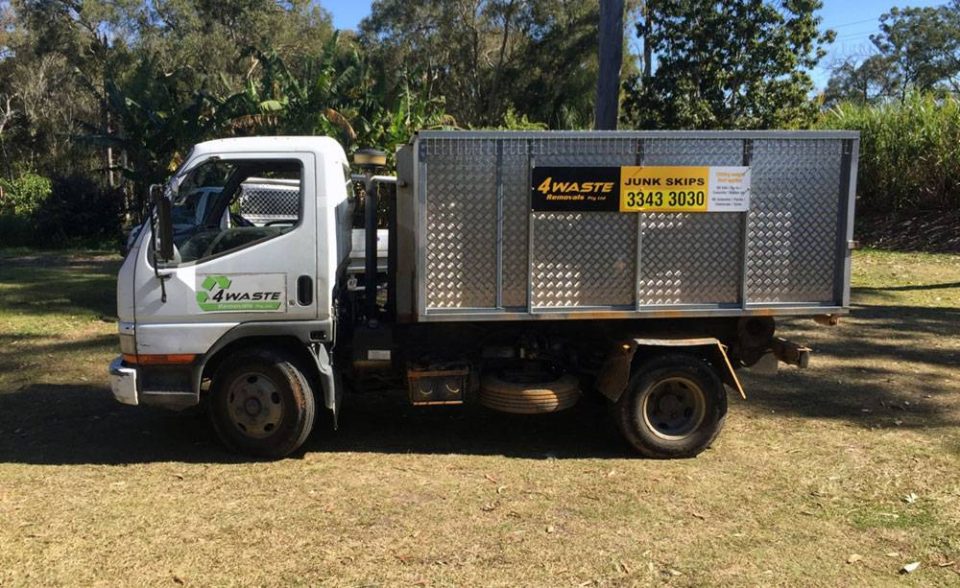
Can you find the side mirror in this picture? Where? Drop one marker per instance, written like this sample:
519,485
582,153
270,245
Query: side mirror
164,224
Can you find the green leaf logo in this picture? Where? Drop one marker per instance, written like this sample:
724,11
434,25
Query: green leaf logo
211,281
223,282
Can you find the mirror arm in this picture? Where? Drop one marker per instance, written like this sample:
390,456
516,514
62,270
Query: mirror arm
163,281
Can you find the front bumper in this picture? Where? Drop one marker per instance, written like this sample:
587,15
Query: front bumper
123,382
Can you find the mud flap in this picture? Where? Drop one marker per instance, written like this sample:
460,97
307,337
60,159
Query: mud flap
615,373
728,375
328,381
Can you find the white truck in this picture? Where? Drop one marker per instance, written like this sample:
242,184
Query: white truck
522,270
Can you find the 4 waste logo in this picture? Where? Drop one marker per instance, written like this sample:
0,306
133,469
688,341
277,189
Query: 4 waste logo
575,189
218,293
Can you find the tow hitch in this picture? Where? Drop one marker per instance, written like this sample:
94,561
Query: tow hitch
791,353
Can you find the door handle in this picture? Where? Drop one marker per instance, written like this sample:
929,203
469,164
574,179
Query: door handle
304,290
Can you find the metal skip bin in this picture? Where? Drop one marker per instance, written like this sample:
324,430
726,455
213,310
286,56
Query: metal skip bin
766,228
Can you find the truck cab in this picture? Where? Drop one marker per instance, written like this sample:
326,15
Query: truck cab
254,279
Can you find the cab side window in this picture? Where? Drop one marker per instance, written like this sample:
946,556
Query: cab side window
223,205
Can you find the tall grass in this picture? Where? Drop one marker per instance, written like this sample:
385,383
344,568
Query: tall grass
909,152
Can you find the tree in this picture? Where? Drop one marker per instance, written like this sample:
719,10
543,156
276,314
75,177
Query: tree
82,67
41,97
7,94
868,82
486,57
735,64
8,27
922,46
336,97
915,50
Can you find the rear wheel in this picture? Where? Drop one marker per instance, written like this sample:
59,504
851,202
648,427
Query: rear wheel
674,407
262,404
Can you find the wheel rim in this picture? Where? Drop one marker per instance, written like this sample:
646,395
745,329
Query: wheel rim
674,408
254,405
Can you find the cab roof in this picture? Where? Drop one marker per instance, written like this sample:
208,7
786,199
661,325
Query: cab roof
327,147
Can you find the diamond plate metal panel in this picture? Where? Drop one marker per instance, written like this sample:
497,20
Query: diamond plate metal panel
692,152
690,258
792,231
583,259
461,211
261,203
515,173
584,152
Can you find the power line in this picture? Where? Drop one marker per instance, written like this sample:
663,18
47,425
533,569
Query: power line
855,36
850,24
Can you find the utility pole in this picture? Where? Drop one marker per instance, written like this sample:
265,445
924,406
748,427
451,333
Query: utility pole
611,58
647,48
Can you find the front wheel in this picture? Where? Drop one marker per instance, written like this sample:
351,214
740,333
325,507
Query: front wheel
674,407
262,404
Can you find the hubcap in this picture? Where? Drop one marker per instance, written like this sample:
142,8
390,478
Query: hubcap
254,405
674,408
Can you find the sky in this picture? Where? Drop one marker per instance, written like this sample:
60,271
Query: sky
347,13
853,20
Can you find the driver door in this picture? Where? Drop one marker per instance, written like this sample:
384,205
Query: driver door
234,272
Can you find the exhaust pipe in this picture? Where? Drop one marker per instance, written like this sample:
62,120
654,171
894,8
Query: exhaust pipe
370,161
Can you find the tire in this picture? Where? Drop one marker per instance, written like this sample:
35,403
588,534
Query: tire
262,404
540,397
674,407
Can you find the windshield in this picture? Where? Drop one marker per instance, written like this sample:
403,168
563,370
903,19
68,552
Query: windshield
219,205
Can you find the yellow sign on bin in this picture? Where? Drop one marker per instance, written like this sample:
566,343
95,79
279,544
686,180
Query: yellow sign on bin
664,188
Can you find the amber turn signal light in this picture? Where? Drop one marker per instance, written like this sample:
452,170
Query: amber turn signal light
159,359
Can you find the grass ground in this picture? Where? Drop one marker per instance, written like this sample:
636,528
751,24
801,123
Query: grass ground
837,475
